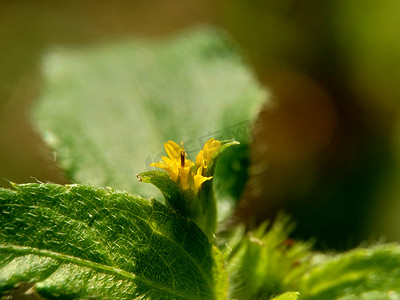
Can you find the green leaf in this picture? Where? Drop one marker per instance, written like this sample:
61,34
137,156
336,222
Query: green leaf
287,296
357,274
82,242
386,295
230,178
107,109
263,262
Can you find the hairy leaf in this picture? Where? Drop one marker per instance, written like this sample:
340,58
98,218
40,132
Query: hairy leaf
107,109
264,262
386,295
82,242
357,274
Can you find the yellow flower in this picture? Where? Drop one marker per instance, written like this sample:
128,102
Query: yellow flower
177,165
182,170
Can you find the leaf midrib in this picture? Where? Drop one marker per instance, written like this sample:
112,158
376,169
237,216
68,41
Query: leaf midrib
105,267
183,250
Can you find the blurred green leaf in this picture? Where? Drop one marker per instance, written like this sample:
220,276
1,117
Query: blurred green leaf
108,109
357,274
230,178
265,262
83,242
287,296
387,295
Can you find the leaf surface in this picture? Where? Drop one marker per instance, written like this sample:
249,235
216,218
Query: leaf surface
264,262
372,273
82,242
287,296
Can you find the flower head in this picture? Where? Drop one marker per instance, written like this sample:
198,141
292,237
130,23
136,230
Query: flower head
182,170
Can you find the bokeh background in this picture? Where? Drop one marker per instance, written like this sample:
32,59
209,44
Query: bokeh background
327,152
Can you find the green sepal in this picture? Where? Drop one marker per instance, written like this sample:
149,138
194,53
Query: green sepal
205,209
169,188
224,145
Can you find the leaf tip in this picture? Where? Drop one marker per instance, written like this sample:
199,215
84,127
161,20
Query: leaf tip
13,185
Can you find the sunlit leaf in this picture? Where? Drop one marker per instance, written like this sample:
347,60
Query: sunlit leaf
357,274
287,296
83,242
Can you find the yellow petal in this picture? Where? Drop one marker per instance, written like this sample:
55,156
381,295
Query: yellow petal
169,161
199,159
184,177
199,179
173,150
208,151
189,163
180,168
169,166
159,164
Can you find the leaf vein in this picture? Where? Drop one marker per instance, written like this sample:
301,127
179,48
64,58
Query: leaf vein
90,264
